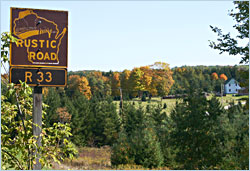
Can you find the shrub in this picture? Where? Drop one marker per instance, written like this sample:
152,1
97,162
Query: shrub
143,98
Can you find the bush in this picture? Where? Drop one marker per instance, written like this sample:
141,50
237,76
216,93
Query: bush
143,98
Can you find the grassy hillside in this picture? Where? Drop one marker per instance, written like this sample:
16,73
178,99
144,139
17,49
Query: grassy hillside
226,100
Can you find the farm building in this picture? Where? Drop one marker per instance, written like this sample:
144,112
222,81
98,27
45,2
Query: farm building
231,86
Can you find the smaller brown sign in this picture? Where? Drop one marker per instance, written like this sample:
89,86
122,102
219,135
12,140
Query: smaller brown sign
39,76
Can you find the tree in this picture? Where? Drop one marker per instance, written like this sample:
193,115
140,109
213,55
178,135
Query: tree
136,81
103,121
81,84
137,143
162,79
223,77
228,44
6,39
79,108
196,132
125,84
63,115
115,84
237,145
215,76
52,98
100,85
147,77
146,148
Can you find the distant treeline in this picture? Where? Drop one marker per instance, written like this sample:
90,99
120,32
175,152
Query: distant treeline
143,80
202,77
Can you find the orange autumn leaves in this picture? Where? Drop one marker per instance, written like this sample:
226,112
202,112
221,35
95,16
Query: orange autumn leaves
223,77
216,77
155,79
80,83
115,84
63,115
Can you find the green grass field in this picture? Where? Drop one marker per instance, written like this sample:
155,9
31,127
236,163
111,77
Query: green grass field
226,100
154,101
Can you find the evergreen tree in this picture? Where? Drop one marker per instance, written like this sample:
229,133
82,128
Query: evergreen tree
162,127
146,148
53,99
80,110
194,133
138,141
237,145
133,118
121,151
106,124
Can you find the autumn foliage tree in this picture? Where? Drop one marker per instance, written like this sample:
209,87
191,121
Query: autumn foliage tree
146,77
223,77
162,78
115,84
81,84
155,79
63,115
125,84
100,84
136,81
215,76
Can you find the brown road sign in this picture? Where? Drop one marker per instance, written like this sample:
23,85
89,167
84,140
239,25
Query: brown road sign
42,38
38,76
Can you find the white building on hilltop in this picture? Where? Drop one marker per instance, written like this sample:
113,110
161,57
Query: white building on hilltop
231,86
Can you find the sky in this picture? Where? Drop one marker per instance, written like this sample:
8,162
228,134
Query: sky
118,35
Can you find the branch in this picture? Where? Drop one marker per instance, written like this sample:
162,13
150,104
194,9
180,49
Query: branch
13,157
22,118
